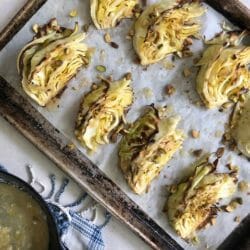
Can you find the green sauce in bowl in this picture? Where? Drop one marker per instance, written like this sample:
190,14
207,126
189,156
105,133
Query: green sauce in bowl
23,224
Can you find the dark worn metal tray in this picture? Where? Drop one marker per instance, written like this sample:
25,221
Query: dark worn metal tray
24,117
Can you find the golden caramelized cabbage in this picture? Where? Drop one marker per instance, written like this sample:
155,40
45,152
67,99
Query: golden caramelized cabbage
148,145
223,70
192,203
240,124
102,112
165,28
47,63
108,13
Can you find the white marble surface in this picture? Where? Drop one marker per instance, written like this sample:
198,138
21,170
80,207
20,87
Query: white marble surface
16,152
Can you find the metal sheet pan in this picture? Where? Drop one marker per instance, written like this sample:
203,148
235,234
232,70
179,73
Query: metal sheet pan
20,113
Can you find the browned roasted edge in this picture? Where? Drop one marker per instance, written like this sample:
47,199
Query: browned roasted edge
19,20
23,116
234,10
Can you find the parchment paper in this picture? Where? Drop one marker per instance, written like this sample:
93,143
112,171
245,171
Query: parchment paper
184,102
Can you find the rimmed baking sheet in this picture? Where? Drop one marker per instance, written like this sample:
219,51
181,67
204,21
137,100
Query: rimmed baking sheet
62,114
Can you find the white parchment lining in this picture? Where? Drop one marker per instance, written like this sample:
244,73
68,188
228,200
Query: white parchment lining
118,62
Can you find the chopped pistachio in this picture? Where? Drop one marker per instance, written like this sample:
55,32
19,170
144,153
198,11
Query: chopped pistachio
243,186
230,208
168,65
101,68
186,72
94,86
107,38
169,89
189,41
195,133
213,221
233,205
232,167
35,27
73,13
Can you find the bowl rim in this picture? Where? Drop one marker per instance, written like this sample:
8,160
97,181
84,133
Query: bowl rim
10,179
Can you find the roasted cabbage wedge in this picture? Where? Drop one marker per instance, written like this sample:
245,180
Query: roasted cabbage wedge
102,112
165,28
240,124
223,70
149,143
47,63
192,203
108,13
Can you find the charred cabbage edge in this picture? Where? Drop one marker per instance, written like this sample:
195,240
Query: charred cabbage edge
164,28
47,63
223,70
102,112
147,146
193,202
108,13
